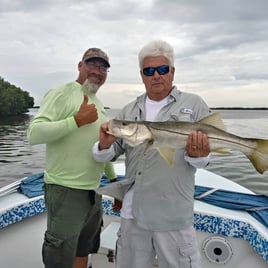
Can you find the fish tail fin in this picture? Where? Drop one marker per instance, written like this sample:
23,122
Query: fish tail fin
259,157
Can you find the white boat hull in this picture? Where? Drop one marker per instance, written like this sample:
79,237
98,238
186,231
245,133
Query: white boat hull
227,238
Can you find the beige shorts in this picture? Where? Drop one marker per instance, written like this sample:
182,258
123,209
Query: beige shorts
137,247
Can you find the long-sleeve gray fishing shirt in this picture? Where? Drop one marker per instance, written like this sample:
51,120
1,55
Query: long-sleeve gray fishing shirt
163,196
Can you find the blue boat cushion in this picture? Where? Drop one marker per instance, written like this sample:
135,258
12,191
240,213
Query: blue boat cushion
256,205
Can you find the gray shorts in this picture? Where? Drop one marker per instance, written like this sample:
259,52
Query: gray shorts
137,247
74,220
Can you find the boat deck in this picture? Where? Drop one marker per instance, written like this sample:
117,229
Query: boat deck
236,233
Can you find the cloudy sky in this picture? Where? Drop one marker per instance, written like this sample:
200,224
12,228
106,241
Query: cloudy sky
221,47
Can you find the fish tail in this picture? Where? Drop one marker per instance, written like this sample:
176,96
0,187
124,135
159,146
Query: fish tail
259,156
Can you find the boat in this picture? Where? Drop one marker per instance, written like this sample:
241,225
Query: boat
227,237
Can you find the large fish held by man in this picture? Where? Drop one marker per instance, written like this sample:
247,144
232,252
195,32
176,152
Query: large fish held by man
167,136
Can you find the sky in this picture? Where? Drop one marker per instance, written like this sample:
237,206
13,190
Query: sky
221,47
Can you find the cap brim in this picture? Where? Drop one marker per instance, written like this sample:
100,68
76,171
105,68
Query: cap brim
102,59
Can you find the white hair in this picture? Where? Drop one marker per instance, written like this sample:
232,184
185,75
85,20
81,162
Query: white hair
157,48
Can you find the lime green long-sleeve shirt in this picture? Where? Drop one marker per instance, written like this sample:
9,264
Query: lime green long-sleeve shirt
69,161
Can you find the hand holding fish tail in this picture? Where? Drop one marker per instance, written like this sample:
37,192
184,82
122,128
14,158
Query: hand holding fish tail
106,139
197,144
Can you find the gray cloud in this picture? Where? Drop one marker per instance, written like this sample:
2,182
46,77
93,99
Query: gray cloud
218,44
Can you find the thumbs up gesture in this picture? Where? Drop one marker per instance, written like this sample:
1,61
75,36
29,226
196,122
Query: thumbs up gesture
87,113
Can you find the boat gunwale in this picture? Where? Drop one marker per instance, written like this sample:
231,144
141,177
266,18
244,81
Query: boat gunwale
240,228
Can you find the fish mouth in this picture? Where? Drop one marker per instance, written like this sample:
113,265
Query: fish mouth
110,127
113,129
121,129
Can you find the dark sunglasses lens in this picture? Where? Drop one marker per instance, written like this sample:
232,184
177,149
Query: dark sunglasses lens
149,71
163,69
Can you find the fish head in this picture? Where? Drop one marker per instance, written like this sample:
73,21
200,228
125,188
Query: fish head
122,128
132,132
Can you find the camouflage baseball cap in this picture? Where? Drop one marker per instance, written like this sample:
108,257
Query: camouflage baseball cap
96,53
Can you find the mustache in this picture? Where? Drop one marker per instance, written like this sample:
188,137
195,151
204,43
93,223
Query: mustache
99,77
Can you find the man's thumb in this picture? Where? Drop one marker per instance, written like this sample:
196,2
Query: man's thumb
85,100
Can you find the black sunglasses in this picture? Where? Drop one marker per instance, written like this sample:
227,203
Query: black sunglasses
149,71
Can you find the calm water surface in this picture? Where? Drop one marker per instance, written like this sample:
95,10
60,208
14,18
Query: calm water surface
19,159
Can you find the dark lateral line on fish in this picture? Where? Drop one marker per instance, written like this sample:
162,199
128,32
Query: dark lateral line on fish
186,134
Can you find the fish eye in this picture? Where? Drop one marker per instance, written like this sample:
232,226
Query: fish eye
151,142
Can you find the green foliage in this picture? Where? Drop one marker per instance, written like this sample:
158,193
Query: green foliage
13,100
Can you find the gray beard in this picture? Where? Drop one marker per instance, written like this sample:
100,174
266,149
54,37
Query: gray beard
89,87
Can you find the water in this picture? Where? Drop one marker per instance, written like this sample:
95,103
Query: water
19,159
237,167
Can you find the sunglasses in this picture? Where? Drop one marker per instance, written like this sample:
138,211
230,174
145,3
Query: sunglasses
93,65
149,71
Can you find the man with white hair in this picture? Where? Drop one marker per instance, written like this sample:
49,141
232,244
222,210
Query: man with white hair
157,212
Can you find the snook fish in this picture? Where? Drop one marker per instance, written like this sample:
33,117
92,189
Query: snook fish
167,136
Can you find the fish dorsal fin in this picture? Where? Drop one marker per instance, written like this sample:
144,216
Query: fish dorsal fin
167,154
214,120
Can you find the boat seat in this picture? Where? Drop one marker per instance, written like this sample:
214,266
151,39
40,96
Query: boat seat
109,236
106,254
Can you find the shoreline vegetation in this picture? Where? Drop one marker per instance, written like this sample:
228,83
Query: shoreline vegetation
13,100
108,108
227,108
212,108
239,108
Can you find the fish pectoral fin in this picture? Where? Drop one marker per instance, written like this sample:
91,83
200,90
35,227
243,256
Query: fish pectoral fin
168,155
222,151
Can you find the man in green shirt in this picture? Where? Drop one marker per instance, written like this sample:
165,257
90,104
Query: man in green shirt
68,122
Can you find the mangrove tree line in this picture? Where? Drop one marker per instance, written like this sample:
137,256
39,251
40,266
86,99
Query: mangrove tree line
13,100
